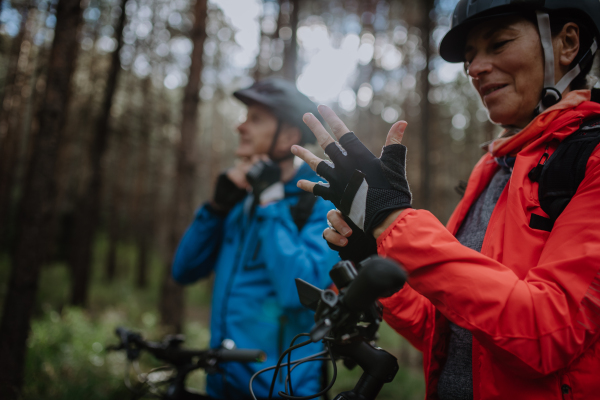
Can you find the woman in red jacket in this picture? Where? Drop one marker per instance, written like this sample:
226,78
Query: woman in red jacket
504,301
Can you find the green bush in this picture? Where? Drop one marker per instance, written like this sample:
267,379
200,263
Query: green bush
67,357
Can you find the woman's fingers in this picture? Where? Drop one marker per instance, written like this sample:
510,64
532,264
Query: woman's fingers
335,123
323,137
305,185
334,238
337,222
312,160
396,133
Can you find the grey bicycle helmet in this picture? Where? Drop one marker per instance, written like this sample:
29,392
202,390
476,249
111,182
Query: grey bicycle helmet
469,13
284,100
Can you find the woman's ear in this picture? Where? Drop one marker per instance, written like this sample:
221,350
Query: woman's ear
567,45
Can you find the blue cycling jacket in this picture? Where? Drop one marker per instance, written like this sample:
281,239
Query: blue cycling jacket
255,303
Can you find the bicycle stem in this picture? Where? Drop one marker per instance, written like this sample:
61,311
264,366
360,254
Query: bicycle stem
379,367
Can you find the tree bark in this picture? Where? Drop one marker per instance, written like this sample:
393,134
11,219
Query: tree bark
115,205
12,70
37,214
10,112
290,53
426,182
142,218
88,211
171,305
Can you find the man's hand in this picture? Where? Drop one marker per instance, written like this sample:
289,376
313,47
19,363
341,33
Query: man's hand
237,174
363,187
232,185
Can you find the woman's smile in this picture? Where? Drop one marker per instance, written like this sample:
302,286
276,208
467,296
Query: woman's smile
506,68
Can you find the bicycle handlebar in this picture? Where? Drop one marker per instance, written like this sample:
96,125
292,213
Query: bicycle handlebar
184,360
348,321
240,355
377,278
170,351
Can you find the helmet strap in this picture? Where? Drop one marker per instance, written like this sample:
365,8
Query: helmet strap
552,92
274,143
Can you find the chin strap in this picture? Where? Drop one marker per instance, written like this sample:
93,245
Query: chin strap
552,92
274,143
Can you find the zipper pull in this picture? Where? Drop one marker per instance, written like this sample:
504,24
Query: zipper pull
536,172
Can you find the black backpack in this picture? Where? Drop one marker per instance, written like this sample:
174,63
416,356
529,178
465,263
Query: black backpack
562,173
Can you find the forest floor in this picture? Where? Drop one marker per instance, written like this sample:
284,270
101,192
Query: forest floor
66,349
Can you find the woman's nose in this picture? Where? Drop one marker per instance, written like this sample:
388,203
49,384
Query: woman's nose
479,66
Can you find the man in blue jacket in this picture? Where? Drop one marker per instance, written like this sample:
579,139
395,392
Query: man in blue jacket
258,234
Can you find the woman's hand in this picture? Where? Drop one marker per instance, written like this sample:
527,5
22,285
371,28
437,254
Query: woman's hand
347,239
366,189
338,230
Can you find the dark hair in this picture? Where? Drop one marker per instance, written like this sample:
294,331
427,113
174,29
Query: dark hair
586,36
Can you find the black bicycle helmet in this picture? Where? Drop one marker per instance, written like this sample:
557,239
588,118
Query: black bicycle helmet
469,13
284,100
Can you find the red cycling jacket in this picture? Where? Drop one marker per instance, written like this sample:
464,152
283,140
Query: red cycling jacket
531,298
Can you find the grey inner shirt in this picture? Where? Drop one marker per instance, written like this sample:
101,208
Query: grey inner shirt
456,379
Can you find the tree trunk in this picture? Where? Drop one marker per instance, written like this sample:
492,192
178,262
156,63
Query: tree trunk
88,211
171,305
37,213
142,219
114,209
290,53
11,72
426,181
10,107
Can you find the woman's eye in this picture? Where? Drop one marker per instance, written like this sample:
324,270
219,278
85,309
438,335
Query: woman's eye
499,45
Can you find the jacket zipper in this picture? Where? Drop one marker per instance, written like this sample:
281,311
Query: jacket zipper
565,388
566,392
536,172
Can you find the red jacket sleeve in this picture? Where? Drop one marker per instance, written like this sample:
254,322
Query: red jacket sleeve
411,315
538,324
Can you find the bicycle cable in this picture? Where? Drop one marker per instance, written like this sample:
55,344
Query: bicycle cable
322,392
287,378
319,354
281,358
290,359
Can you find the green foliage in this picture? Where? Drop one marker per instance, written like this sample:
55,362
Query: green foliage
67,356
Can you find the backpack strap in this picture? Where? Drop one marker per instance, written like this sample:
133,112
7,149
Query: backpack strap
302,211
595,95
565,169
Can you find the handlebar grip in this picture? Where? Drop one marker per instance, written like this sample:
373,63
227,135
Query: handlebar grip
122,333
377,278
241,355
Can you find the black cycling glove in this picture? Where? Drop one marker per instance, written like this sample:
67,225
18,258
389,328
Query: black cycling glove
363,187
359,247
227,194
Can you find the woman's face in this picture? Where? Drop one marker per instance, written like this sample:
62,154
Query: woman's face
506,65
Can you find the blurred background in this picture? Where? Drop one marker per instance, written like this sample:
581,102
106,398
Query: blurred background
116,116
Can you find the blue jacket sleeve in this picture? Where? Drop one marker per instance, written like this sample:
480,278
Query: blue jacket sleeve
198,249
294,254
